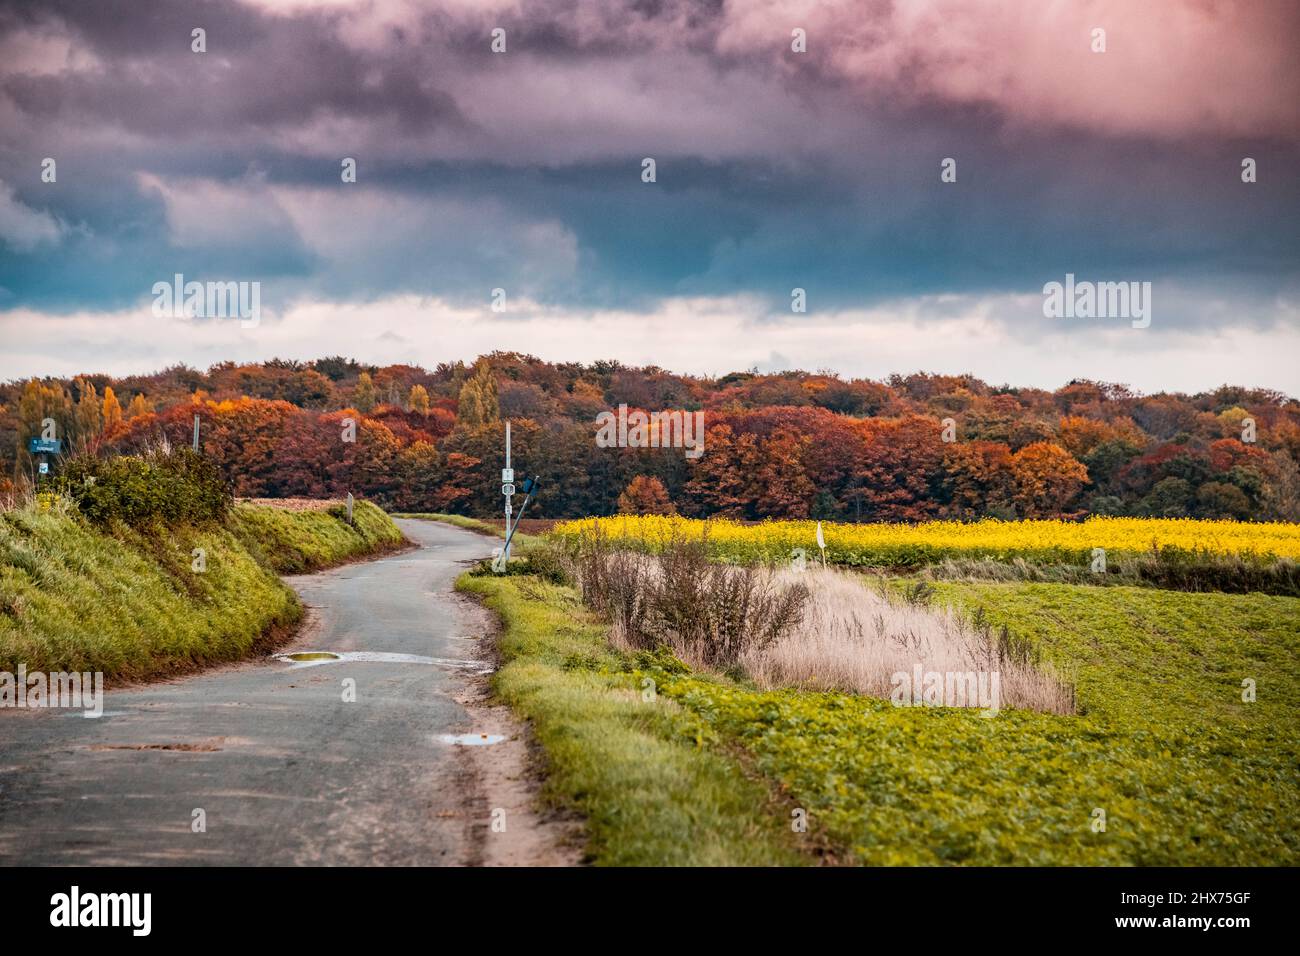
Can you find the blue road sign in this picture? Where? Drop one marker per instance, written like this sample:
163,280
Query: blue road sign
45,446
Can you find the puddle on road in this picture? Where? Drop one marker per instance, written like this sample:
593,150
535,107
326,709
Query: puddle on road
471,740
316,658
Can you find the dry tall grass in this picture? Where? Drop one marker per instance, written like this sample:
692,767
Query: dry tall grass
855,637
820,629
710,614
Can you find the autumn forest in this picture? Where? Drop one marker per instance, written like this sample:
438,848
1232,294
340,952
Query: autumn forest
785,445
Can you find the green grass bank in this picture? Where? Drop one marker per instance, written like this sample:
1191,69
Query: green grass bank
639,767
154,599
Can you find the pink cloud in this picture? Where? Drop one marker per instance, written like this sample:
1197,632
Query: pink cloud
1171,67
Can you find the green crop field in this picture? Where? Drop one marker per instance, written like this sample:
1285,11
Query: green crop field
1164,763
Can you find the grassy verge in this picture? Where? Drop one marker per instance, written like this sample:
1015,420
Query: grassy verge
156,600
1184,771
642,772
293,542
128,603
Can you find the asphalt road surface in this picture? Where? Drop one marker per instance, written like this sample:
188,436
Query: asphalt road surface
282,768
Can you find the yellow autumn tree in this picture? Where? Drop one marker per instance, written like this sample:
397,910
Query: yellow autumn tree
418,400
112,409
363,396
478,404
139,406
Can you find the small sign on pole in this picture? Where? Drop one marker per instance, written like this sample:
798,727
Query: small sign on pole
45,446
503,554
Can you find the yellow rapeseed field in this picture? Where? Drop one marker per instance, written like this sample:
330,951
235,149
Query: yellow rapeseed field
913,545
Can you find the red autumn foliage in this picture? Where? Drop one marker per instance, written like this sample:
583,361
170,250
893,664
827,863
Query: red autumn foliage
789,444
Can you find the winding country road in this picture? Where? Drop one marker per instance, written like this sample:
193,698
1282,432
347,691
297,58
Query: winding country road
284,770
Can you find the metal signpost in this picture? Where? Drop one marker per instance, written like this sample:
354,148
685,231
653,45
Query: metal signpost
508,489
43,447
530,489
507,481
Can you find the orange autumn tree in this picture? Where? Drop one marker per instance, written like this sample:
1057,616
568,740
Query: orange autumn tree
723,481
1228,453
1080,435
784,490
978,478
898,466
645,495
458,476
1047,479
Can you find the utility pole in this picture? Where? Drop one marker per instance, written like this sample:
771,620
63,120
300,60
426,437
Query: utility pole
507,489
196,433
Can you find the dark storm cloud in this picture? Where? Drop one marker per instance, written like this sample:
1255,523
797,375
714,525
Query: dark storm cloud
263,72
478,169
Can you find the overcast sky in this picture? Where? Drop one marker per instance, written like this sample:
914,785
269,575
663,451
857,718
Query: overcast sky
522,171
